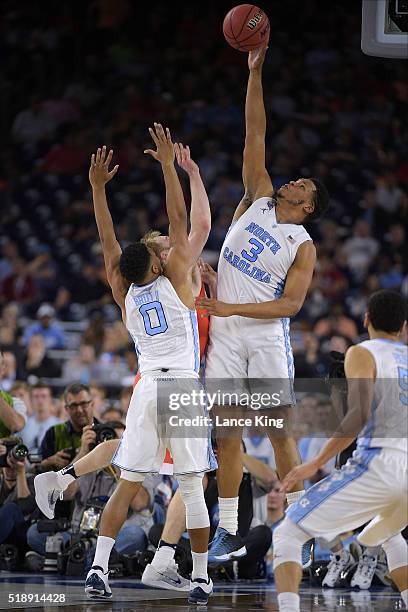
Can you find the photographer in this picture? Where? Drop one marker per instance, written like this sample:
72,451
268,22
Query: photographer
12,410
90,493
74,438
17,501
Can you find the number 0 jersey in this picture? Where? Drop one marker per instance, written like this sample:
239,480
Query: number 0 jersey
164,330
257,254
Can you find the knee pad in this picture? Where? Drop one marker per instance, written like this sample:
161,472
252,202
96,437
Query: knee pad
288,540
396,549
192,494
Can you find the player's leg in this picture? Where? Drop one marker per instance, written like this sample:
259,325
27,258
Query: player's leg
288,540
227,358
396,549
49,485
162,571
113,516
198,526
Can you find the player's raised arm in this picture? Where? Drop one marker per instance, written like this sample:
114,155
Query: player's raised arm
257,181
200,214
99,175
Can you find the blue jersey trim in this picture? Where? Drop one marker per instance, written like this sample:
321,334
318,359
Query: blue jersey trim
355,467
194,327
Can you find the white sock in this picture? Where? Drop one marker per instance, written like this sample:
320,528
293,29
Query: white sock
163,556
64,480
228,509
291,498
104,547
199,565
404,595
289,602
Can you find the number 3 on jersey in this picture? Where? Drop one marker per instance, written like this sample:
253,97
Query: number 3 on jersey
153,318
254,252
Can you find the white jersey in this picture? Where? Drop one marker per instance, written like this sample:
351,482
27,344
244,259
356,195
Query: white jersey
257,254
164,330
388,425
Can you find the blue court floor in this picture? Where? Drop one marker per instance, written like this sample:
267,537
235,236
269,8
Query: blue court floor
23,591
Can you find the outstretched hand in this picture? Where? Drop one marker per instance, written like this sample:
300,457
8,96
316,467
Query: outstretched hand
184,160
208,274
298,474
256,58
215,307
99,173
164,147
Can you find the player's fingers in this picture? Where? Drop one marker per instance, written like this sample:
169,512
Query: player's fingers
177,152
98,155
109,158
160,132
153,135
112,173
103,154
93,159
188,151
168,135
151,152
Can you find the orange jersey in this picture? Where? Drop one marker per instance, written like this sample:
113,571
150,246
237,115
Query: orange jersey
203,322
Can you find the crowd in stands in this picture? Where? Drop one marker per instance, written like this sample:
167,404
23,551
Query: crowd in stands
93,75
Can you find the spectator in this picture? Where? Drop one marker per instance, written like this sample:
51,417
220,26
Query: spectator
17,502
81,367
36,364
111,414
9,252
21,390
64,441
42,419
9,371
32,125
101,484
46,327
360,249
275,505
100,403
13,411
10,328
19,285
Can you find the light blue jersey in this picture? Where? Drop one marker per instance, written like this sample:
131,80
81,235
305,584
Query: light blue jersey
388,425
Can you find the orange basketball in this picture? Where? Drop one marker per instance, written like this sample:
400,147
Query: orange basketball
246,27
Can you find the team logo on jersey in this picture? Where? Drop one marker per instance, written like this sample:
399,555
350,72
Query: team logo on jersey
269,206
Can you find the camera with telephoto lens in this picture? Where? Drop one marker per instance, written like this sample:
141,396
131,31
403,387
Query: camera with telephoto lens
15,449
105,431
54,543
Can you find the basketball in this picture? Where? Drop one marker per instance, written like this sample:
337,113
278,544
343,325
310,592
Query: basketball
246,27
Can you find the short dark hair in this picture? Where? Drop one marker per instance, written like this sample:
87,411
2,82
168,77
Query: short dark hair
74,389
134,262
387,310
320,200
41,385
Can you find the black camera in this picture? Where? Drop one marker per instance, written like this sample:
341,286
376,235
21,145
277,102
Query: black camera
15,449
71,452
105,431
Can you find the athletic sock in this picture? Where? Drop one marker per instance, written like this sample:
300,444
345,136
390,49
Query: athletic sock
404,595
66,476
291,498
200,561
289,602
228,511
104,546
164,555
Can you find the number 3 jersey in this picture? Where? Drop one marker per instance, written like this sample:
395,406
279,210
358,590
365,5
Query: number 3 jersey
164,330
256,256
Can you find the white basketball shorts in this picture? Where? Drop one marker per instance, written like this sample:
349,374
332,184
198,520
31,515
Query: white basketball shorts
150,430
371,488
250,351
